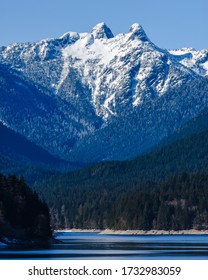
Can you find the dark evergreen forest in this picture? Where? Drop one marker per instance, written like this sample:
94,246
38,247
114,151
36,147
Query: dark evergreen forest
178,202
164,189
23,215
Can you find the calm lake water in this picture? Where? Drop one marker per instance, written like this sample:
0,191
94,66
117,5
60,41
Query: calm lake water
98,246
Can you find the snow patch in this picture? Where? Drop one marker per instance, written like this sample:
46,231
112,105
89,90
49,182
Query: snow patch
205,66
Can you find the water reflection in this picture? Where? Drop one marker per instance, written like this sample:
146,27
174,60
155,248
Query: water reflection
97,246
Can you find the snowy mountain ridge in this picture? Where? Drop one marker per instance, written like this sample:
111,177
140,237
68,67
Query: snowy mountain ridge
101,78
193,59
124,69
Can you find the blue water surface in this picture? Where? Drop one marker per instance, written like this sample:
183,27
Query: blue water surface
87,245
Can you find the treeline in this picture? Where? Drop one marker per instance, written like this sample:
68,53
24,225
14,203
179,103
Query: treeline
179,202
23,215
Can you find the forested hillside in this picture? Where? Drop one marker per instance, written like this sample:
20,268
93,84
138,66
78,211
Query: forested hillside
134,193
178,202
194,126
31,173
17,147
23,216
21,157
189,154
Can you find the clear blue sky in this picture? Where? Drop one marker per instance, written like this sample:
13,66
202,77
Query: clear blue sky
169,24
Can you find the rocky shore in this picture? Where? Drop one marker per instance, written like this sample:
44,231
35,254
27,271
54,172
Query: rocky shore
137,232
154,232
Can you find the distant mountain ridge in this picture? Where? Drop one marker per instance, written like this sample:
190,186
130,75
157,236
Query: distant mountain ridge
195,126
95,96
189,154
21,157
17,147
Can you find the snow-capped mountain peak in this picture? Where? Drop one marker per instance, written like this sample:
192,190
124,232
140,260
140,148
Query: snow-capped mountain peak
101,78
69,37
137,31
101,30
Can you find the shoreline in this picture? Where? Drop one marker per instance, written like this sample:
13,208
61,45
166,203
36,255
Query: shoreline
138,232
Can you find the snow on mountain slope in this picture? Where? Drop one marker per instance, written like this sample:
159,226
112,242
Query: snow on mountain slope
103,80
108,74
47,120
145,126
193,59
